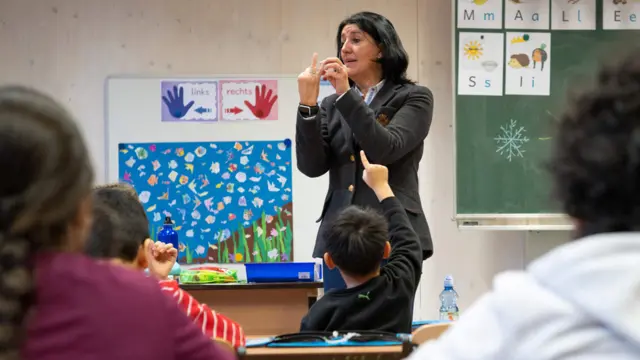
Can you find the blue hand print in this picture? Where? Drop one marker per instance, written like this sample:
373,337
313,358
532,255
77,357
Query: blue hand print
175,102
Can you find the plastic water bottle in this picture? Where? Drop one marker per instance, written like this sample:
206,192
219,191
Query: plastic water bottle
449,301
167,235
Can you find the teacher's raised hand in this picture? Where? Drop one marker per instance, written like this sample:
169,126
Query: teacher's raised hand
309,83
335,72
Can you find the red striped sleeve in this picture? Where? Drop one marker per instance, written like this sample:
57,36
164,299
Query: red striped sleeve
213,324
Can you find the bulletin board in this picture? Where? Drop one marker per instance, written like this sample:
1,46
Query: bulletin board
217,155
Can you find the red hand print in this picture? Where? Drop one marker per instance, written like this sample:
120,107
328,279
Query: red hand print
264,102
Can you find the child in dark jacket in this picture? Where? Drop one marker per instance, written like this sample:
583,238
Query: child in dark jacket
376,298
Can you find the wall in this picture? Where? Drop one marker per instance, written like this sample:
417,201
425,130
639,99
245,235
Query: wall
69,47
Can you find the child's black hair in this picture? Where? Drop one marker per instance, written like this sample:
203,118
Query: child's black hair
596,162
132,222
107,236
356,240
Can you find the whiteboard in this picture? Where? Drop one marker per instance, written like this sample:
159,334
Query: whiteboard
137,113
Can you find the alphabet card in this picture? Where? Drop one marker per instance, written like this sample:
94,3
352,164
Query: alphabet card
480,14
528,64
573,14
526,14
480,63
621,15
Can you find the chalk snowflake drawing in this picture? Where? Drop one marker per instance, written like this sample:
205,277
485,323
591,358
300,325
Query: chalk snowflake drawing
511,140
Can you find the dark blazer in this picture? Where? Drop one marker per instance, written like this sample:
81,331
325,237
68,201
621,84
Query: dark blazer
391,130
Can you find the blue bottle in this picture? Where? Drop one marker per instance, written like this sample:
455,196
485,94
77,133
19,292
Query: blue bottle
449,301
167,235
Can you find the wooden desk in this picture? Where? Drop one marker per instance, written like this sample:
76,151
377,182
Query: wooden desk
269,308
394,352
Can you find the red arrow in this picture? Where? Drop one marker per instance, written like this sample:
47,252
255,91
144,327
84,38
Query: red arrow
235,110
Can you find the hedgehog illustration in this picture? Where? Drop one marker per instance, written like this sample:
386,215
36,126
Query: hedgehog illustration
539,55
518,61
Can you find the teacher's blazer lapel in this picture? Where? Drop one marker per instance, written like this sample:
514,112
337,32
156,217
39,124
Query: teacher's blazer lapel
385,95
383,114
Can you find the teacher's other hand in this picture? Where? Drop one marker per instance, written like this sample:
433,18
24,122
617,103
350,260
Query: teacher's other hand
335,72
309,83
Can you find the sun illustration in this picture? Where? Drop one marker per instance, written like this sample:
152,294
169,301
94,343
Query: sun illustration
473,50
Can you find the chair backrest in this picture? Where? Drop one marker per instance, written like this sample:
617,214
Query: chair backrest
429,332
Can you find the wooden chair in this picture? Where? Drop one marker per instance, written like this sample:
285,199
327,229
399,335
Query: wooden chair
429,332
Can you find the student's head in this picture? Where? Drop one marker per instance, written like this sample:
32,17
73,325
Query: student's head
123,237
367,44
357,241
107,236
596,162
45,198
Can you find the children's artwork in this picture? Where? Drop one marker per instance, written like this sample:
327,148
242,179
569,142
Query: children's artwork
574,14
249,99
189,101
526,14
479,14
480,63
528,59
621,15
229,201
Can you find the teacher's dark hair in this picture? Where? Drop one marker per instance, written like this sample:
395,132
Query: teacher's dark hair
596,162
48,175
394,60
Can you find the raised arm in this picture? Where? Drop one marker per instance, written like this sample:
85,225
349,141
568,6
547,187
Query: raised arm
406,253
406,129
312,148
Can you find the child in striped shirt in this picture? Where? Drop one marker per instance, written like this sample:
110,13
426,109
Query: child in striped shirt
121,233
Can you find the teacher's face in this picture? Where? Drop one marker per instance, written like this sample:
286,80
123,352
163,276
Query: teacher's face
359,52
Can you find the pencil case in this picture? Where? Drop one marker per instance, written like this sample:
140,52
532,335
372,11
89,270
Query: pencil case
208,275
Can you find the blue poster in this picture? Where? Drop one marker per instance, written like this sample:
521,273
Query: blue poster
230,202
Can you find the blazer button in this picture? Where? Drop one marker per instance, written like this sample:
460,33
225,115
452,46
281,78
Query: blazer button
352,158
351,188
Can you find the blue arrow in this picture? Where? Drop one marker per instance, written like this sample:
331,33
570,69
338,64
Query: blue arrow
202,110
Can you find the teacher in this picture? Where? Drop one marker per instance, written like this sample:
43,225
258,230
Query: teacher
376,108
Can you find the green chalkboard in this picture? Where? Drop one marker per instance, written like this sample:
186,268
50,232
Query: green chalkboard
491,182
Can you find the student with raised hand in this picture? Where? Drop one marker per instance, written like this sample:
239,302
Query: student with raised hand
121,234
580,301
56,303
376,108
376,298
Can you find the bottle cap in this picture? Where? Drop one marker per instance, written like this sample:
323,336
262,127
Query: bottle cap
448,281
167,220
